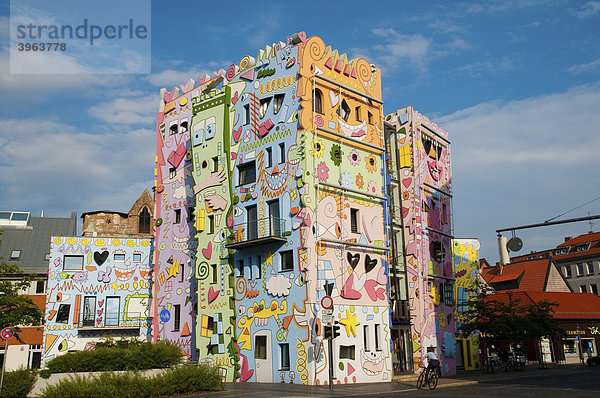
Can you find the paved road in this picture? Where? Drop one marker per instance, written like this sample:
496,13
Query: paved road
557,382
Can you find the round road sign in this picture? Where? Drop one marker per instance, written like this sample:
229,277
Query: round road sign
7,333
327,302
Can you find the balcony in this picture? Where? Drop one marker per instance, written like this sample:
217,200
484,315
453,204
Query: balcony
259,232
400,311
90,321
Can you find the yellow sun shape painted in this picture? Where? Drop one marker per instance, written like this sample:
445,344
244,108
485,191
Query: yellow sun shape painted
350,323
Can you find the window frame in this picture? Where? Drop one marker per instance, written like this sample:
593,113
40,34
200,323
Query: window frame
282,256
284,356
15,255
354,217
72,256
60,314
245,168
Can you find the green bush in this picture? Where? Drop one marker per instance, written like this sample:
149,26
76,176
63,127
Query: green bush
17,383
184,379
139,356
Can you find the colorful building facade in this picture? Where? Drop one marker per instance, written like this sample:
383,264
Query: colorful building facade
97,288
465,261
287,187
422,153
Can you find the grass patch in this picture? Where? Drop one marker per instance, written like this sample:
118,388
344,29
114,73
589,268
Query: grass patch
17,383
139,356
183,379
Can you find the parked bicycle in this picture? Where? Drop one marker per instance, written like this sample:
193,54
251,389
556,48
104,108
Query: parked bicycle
428,377
486,366
515,361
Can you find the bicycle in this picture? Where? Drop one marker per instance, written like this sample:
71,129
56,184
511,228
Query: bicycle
428,378
486,366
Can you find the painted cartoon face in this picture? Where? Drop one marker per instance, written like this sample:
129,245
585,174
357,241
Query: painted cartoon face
287,57
434,169
371,362
358,132
204,130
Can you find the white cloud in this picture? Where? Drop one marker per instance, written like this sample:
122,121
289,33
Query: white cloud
593,66
49,165
141,110
523,161
587,10
169,78
488,67
278,286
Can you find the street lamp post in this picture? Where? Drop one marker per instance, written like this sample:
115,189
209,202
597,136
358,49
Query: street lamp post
578,338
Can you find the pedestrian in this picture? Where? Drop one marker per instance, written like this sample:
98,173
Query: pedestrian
433,363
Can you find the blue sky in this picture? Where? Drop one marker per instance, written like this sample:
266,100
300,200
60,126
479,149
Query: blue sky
516,84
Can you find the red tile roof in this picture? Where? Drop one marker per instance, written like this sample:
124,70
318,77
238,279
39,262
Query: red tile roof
570,305
594,250
533,273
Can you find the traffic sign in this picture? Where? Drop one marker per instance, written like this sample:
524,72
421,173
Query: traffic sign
327,318
327,302
7,333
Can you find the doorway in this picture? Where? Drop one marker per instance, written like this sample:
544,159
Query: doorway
252,223
274,224
263,356
89,311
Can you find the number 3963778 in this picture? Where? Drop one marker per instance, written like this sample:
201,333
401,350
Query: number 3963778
42,46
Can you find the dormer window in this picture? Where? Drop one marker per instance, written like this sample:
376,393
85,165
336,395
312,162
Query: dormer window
582,248
561,251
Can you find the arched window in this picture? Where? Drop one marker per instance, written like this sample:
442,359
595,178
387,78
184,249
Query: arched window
318,100
144,223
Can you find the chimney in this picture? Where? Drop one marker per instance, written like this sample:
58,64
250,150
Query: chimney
567,238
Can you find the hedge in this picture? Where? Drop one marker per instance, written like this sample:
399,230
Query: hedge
184,379
133,357
17,383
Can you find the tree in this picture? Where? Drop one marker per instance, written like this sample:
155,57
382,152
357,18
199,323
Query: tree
508,320
16,309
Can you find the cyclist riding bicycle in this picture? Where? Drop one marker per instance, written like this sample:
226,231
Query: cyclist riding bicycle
433,363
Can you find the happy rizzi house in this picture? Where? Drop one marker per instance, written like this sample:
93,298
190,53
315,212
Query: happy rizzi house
271,186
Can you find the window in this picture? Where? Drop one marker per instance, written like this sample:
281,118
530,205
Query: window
582,248
246,114
260,347
15,255
173,128
561,251
277,102
183,127
211,224
370,117
241,267
269,157
177,216
214,273
247,172
354,221
318,101
182,272
448,296
347,352
73,263
137,257
259,275
344,110
580,269
112,311
172,172
119,257
583,288
62,316
264,105
191,215
144,221
594,289
176,317
215,161
287,261
282,153
377,327
47,257
567,271
357,113
366,340
590,268
40,287
284,358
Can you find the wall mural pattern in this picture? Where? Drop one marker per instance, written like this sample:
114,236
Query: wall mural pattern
465,261
175,246
97,288
424,160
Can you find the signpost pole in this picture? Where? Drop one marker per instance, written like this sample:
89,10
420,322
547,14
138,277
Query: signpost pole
330,362
4,362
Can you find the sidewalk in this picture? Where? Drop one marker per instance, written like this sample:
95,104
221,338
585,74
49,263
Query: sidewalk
407,383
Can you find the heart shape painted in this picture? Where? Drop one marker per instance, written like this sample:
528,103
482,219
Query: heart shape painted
406,182
353,259
333,98
99,320
369,264
100,311
100,303
207,252
212,294
235,97
369,227
348,292
236,134
381,277
100,258
374,294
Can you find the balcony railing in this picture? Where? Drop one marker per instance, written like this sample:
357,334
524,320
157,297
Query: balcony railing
111,320
257,232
